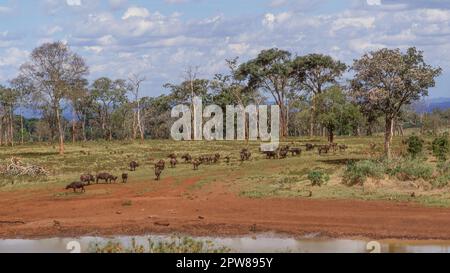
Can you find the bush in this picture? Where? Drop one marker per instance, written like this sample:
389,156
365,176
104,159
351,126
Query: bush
441,182
318,177
441,147
357,173
443,168
415,146
410,170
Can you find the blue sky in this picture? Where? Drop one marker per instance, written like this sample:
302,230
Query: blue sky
161,38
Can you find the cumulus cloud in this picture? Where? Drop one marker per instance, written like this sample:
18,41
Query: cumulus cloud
136,12
74,2
124,37
4,9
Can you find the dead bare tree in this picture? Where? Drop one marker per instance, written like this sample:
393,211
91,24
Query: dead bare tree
136,81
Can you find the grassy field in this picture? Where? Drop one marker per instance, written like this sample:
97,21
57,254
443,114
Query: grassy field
258,178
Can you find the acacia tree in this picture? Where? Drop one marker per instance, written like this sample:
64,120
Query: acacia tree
315,73
77,93
23,88
52,70
110,95
270,71
335,111
388,79
8,100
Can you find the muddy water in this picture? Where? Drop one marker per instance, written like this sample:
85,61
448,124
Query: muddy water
264,243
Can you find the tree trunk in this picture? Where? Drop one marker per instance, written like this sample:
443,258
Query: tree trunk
21,128
283,121
60,131
83,125
11,126
331,136
311,126
1,131
134,126
74,127
141,131
388,134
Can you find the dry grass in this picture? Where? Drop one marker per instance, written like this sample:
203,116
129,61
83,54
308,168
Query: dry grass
258,178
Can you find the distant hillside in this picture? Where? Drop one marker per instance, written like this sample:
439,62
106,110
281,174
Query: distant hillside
441,103
431,104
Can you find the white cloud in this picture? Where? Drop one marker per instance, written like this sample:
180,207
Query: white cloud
4,9
374,2
74,2
13,57
136,12
356,22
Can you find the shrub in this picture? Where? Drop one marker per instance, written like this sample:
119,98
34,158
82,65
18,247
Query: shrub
318,177
410,170
441,147
357,173
415,146
443,168
441,182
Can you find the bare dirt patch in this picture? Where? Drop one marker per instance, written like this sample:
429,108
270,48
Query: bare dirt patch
169,207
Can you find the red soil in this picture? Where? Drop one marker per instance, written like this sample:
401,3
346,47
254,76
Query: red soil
167,207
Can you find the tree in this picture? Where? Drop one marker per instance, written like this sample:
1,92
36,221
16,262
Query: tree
270,71
335,111
388,79
8,101
23,88
52,70
76,94
110,95
190,88
315,73
135,85
157,113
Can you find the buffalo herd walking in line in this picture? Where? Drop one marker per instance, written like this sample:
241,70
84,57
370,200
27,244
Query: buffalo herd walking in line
159,167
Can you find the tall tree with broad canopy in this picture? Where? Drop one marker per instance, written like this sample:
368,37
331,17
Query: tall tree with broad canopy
23,87
53,69
270,71
8,102
388,79
110,95
315,73
335,111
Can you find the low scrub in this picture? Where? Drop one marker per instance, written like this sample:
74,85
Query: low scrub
415,146
441,182
318,177
403,169
409,170
358,172
444,168
441,147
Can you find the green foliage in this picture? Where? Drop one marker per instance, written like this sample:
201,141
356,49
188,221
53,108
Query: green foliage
407,169
358,172
318,177
443,167
336,112
441,147
415,146
441,182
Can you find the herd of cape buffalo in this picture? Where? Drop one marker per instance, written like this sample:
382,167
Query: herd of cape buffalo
244,155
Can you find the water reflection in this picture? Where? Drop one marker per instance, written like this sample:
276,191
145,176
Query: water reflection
264,243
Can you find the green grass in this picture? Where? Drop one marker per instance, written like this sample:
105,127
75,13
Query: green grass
258,178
